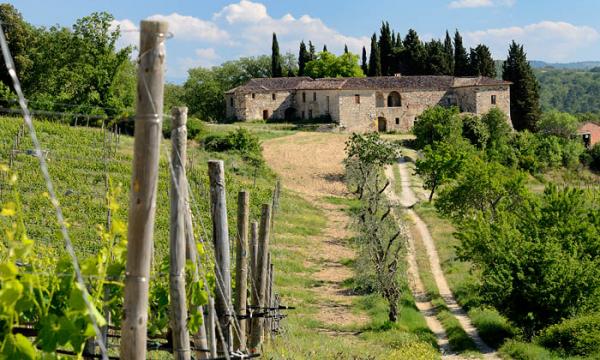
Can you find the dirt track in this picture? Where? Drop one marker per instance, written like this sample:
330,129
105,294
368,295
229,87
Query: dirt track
311,165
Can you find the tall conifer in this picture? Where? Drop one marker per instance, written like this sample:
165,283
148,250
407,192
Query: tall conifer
461,59
364,65
524,93
385,49
276,70
303,58
449,54
311,51
374,59
413,58
481,62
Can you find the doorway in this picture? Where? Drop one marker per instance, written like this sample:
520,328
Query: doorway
381,124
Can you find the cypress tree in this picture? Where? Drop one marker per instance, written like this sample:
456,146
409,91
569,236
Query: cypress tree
276,70
524,93
414,54
435,62
345,49
364,66
461,59
374,59
311,51
385,49
325,48
290,73
449,54
481,62
303,58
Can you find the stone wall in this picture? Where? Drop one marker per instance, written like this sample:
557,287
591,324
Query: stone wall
318,103
483,99
251,106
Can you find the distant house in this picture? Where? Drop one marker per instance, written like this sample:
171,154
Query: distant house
364,104
589,132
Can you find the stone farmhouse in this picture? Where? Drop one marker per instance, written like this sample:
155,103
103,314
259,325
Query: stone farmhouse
385,103
590,133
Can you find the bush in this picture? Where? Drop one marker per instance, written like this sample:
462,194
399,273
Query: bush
594,154
240,140
475,131
525,351
437,124
493,328
195,128
415,351
576,336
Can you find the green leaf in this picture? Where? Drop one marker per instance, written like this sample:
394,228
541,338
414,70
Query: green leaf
10,293
8,270
17,346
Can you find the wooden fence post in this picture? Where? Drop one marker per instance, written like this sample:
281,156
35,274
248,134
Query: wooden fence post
212,323
144,179
177,240
253,252
241,261
259,296
216,174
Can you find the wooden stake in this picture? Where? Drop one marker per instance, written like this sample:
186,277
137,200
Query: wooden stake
144,179
259,296
177,243
254,251
212,322
216,174
241,261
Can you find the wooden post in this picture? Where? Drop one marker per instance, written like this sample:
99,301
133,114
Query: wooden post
268,293
259,296
241,261
271,297
216,174
254,251
177,240
144,179
212,322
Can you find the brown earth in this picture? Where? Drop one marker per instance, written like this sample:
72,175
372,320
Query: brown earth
310,164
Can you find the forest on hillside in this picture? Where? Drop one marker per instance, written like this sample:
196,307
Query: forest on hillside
573,91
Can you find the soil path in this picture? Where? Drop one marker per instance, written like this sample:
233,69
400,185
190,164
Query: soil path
416,285
310,164
407,200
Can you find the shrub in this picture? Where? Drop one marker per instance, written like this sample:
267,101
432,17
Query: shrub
195,128
576,336
493,328
437,124
572,151
475,131
558,123
595,157
415,351
549,151
525,351
240,140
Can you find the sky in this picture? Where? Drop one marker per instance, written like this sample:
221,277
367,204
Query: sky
209,32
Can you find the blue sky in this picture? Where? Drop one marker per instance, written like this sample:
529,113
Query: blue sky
207,32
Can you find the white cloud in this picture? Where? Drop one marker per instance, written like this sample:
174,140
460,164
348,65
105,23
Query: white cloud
129,32
460,4
548,40
191,28
208,53
256,27
244,11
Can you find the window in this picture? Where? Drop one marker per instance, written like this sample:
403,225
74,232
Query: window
394,99
310,114
273,96
397,121
265,114
253,95
314,96
493,99
328,104
231,101
357,99
303,97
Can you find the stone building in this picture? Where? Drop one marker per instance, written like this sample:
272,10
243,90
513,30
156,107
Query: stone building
590,133
384,103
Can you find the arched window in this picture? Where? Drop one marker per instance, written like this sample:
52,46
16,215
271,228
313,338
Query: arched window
394,99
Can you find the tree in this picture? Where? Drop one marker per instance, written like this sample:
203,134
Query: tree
524,93
20,36
364,65
449,54
539,260
325,48
289,64
441,162
558,123
435,63
380,240
437,124
329,65
276,69
414,54
374,58
303,58
461,59
481,62
311,50
385,49
475,130
345,49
